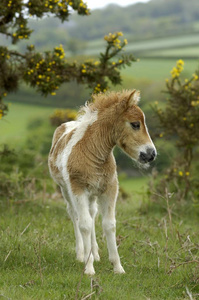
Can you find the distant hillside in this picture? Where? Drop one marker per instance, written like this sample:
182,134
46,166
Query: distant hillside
157,18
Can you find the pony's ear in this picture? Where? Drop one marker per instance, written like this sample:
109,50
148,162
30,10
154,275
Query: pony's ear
133,98
122,106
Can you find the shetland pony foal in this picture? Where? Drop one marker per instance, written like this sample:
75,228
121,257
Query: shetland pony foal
81,161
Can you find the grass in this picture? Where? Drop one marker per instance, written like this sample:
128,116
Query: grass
158,246
134,185
158,69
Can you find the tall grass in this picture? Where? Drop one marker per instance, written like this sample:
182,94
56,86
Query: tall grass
158,245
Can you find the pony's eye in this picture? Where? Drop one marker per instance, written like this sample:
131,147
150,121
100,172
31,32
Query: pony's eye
135,125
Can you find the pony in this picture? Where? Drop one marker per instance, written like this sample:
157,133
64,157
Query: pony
82,163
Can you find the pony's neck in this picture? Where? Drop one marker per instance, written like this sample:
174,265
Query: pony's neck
99,141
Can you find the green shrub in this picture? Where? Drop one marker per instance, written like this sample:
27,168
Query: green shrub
179,121
62,115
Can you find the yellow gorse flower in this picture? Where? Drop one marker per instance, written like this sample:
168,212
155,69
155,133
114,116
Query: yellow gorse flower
180,62
195,77
175,72
113,38
1,113
64,114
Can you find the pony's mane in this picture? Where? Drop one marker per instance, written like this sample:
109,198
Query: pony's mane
102,101
105,100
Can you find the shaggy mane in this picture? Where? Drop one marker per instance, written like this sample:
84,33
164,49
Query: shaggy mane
103,101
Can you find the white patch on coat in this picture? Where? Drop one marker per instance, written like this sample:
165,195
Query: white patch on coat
80,213
143,148
80,127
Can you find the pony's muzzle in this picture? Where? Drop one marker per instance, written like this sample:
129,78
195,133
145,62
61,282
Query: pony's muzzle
148,156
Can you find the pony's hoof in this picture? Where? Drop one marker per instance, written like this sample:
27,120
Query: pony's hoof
119,270
89,271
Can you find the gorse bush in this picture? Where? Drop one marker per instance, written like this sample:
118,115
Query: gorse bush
62,115
179,121
47,71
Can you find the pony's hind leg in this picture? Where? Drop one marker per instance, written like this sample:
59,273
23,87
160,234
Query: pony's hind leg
85,226
93,212
107,204
74,217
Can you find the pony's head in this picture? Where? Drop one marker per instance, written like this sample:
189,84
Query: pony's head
131,132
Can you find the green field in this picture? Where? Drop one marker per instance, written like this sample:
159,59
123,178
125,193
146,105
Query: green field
14,127
185,52
185,46
158,69
159,254
164,43
157,56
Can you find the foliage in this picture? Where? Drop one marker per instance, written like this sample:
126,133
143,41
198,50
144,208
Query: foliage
12,181
23,172
47,71
179,120
62,115
24,168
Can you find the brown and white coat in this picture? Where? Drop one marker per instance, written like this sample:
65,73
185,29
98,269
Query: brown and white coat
81,161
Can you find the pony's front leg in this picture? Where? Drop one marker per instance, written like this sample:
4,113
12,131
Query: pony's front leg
107,203
94,245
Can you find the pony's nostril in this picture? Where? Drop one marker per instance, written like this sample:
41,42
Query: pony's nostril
148,156
143,157
151,155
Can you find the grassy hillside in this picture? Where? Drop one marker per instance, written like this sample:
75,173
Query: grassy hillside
185,46
157,70
14,127
185,52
